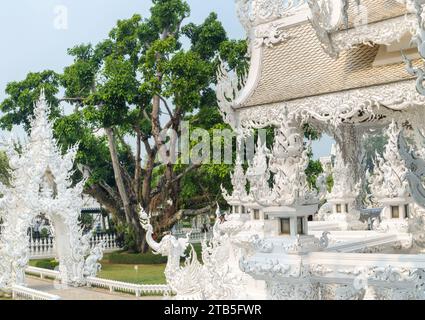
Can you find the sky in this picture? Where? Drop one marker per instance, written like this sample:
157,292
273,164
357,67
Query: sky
35,34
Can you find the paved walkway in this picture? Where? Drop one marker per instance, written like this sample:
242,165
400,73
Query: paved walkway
83,293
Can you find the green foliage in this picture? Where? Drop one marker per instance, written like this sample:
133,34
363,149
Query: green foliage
5,173
46,264
136,258
310,132
329,183
197,247
86,220
17,108
44,233
313,170
111,84
127,231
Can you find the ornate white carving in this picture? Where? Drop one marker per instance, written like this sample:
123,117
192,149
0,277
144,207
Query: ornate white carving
258,173
287,162
227,90
41,183
326,17
344,292
214,279
254,12
415,165
419,39
301,290
358,105
239,181
270,35
345,186
384,33
388,180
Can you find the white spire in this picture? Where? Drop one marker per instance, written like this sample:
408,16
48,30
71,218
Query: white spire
389,175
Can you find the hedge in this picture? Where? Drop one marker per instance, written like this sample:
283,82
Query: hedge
46,264
122,257
136,258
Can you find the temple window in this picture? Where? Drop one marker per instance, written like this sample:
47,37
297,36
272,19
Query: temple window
285,226
243,209
338,208
395,213
406,211
266,217
346,208
236,209
256,214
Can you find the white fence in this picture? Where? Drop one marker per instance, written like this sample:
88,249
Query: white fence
195,236
43,273
111,285
45,248
137,289
24,293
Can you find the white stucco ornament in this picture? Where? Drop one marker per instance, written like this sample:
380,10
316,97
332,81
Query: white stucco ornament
287,162
214,279
415,163
41,184
389,175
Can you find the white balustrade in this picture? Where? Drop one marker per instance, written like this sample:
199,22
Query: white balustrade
111,285
195,236
137,289
24,293
45,247
43,273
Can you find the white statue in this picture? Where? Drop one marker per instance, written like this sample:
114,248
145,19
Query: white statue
195,281
41,183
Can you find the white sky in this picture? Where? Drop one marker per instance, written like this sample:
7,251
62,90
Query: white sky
29,40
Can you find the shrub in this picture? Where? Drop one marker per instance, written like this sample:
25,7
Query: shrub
47,264
198,249
136,258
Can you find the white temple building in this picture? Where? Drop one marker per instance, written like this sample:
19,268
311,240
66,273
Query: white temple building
336,65
346,68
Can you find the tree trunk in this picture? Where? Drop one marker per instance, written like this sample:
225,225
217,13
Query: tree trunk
130,210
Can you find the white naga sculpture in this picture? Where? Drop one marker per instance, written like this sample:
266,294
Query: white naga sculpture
41,183
415,164
389,186
216,278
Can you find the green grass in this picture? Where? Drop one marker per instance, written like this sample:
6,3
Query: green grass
133,273
140,274
122,257
131,268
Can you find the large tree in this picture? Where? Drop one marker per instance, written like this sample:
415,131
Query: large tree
120,95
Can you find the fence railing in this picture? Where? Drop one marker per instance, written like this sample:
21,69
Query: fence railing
195,236
43,273
45,247
137,289
24,293
111,285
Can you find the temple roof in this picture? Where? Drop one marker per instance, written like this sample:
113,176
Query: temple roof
296,65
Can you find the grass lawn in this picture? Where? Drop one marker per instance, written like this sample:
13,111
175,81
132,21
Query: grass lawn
140,274
133,273
128,267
